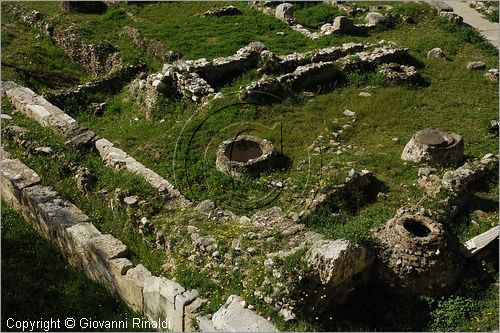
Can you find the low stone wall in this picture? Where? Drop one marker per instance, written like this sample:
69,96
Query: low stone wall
105,259
112,82
101,256
314,73
356,181
152,47
39,109
119,159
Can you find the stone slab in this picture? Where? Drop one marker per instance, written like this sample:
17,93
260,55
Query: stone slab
232,317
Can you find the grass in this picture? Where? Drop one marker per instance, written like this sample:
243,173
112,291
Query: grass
38,283
29,58
315,15
182,146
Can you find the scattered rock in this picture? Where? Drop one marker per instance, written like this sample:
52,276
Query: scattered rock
494,127
44,150
375,18
452,17
364,94
408,19
97,109
436,53
206,206
287,314
492,75
225,11
5,116
85,180
476,65
131,200
284,11
244,219
349,113
399,73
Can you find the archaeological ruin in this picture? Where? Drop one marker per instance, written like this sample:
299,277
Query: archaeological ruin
260,167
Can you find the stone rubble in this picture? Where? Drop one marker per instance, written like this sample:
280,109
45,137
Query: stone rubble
224,11
399,73
476,65
492,75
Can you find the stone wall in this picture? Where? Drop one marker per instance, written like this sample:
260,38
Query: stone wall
102,257
316,70
112,82
39,109
105,259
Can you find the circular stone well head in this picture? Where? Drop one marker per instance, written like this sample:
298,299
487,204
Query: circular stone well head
434,146
416,256
245,156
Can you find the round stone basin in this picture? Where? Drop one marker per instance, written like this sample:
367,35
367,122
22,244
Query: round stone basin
245,156
433,146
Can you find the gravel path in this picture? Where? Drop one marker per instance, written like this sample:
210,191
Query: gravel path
488,29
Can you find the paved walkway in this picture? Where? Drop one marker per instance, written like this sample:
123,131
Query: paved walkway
488,29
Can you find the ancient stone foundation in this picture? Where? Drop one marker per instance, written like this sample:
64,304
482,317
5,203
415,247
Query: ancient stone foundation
105,259
416,256
434,146
245,156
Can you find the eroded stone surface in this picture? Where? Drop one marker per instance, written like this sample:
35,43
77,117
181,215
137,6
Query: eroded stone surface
417,256
436,53
434,146
245,156
232,317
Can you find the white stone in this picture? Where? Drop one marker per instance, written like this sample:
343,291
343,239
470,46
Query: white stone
232,317
349,113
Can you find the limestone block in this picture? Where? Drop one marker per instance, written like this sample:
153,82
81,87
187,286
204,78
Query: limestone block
32,200
39,113
374,18
343,24
120,266
284,11
102,146
191,311
436,53
76,244
159,301
184,299
232,317
336,260
14,177
205,324
130,286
